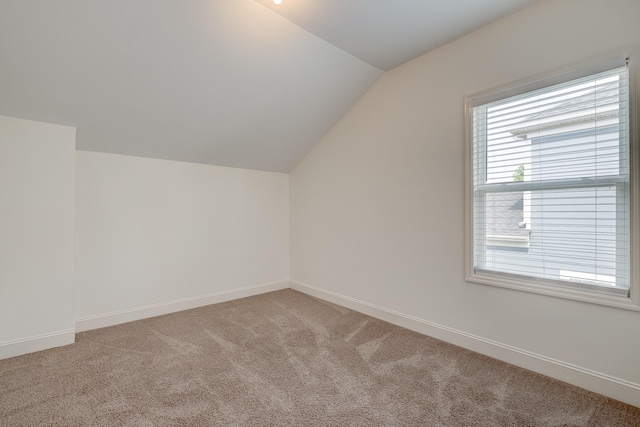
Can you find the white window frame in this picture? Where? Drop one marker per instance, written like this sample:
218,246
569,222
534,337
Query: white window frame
546,286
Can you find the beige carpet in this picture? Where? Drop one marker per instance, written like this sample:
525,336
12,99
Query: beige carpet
283,358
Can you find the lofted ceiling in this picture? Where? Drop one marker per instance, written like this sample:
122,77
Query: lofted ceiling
223,82
388,33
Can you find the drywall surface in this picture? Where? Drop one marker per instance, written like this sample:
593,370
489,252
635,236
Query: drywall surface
154,232
36,233
377,208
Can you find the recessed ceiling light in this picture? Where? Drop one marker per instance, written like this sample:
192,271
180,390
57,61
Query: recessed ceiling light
277,1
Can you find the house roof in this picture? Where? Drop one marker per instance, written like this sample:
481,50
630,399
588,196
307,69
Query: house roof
504,214
593,105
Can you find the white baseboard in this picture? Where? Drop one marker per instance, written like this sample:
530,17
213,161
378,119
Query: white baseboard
614,388
36,343
138,313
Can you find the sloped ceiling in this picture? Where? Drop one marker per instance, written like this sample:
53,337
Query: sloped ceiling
223,82
388,33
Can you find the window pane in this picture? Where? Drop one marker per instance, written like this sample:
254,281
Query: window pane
567,147
572,235
567,131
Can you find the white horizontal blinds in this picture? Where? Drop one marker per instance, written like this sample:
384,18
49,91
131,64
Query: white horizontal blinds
551,196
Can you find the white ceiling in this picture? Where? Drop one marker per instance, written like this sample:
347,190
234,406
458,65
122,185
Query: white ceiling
224,82
388,33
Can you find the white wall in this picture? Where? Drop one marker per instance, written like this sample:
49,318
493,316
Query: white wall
155,236
36,235
377,208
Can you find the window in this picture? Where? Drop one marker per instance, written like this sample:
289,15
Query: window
552,186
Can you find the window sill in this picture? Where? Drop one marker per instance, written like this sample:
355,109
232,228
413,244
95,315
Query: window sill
508,241
556,289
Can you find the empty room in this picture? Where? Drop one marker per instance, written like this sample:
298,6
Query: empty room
320,212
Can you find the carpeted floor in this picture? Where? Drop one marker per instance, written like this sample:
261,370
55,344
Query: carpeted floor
283,358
